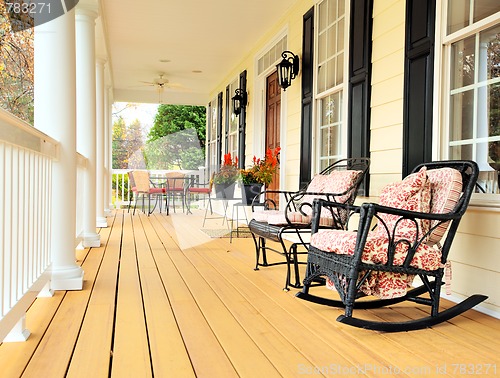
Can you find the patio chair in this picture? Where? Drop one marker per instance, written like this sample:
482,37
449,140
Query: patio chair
175,188
195,188
416,222
142,187
339,182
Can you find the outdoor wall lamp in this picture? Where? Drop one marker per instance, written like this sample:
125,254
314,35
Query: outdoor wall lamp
288,69
239,100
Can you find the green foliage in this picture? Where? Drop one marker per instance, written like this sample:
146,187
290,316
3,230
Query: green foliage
177,138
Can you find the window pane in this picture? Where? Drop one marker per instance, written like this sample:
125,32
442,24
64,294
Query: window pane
331,73
489,54
458,15
485,8
462,63
340,69
331,48
461,152
488,159
330,125
340,36
323,15
461,115
322,47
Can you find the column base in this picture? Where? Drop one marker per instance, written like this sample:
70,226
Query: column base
108,212
101,222
91,240
70,278
19,333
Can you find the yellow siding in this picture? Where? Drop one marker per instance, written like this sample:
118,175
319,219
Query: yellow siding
475,251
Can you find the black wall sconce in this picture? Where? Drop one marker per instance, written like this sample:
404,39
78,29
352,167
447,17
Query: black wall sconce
288,69
239,100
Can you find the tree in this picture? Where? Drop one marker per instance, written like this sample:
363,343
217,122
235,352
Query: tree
128,145
16,69
177,137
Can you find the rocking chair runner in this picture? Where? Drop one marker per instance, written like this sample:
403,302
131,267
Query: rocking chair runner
412,218
339,182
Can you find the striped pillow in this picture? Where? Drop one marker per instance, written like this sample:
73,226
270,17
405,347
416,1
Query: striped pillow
446,188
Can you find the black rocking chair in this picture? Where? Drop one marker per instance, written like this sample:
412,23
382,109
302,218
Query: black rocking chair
371,268
339,182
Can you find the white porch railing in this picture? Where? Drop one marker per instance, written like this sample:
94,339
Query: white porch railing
26,157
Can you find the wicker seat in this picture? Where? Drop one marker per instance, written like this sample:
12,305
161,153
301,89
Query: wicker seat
412,218
339,183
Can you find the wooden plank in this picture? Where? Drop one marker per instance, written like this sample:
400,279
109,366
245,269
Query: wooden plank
320,354
14,357
93,347
293,330
130,347
246,357
206,354
51,359
168,352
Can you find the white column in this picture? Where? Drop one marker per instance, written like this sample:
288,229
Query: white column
100,101
110,145
86,116
55,114
107,156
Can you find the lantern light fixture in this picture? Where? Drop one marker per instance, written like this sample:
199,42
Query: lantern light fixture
239,100
287,69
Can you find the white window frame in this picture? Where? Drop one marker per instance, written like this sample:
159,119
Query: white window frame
233,136
443,85
342,88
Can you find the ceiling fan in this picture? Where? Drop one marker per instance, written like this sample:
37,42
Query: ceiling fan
161,83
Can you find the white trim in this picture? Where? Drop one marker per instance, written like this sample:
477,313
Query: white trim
259,108
343,88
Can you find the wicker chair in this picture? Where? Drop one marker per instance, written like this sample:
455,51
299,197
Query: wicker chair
414,217
141,186
339,182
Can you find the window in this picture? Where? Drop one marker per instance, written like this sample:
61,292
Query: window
473,47
330,63
212,136
232,133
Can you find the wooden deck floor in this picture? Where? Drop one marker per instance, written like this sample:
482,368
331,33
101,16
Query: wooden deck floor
163,299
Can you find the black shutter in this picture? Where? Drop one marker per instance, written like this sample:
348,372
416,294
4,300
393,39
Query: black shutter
360,48
226,123
307,97
219,130
242,123
419,71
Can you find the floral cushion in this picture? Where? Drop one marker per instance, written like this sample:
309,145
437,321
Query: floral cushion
414,194
381,284
335,182
446,188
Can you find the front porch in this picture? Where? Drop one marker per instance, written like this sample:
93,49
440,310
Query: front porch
162,298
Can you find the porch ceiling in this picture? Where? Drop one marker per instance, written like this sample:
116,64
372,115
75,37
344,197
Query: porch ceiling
207,36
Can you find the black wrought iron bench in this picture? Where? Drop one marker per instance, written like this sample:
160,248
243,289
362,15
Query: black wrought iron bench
417,220
339,182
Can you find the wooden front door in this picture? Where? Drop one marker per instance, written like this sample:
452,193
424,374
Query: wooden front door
273,112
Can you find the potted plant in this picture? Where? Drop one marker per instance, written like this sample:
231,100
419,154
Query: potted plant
259,174
225,180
